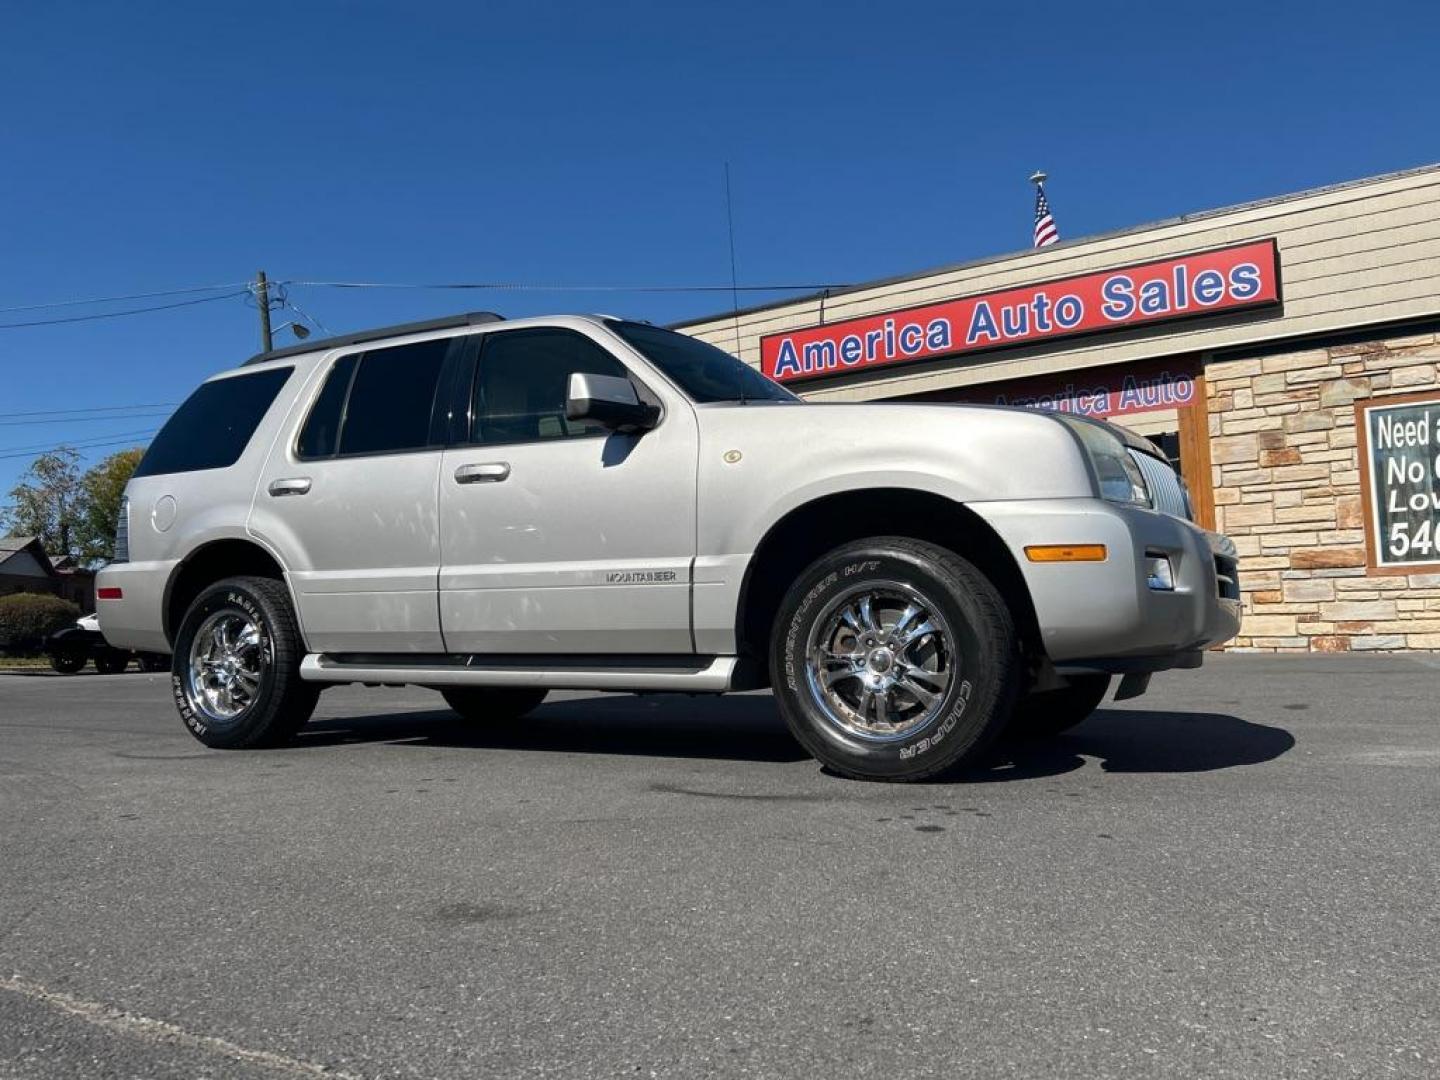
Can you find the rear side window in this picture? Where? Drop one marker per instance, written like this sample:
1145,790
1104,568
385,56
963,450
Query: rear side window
391,398
213,426
522,382
321,435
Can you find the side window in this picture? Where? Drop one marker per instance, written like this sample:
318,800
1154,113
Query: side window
320,437
522,380
391,398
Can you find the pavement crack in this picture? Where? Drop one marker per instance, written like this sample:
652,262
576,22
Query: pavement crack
118,1021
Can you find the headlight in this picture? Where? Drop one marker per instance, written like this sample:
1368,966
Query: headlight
1119,477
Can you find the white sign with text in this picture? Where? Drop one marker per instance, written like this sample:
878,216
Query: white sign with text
1403,464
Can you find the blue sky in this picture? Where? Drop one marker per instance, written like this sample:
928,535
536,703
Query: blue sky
158,146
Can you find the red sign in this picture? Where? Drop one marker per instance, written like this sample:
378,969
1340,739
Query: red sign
1225,279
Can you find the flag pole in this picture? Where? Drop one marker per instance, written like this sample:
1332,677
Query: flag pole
1038,178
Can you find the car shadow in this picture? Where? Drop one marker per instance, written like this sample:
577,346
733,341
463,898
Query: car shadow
1138,741
747,728
737,728
51,673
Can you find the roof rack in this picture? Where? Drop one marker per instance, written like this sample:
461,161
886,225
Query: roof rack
449,322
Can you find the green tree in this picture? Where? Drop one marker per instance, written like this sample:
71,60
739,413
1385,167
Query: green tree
101,489
45,502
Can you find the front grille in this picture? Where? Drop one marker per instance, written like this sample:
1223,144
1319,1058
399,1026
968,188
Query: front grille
1227,577
122,533
1167,490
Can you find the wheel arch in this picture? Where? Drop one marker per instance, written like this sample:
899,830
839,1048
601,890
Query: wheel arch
212,562
806,532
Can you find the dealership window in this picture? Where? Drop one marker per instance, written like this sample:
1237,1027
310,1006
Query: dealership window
1161,427
1169,441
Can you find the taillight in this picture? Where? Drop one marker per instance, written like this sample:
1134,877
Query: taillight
122,532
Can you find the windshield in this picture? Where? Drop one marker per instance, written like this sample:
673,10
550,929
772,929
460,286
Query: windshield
702,371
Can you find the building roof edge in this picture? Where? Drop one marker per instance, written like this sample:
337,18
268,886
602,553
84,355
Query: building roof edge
1079,241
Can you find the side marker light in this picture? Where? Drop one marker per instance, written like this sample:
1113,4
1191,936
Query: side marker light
1066,553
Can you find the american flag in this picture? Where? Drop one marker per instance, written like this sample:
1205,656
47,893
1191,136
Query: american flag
1045,231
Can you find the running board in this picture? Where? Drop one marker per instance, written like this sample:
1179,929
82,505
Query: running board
681,674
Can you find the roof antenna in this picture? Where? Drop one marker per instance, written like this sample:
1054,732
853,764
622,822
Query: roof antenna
734,279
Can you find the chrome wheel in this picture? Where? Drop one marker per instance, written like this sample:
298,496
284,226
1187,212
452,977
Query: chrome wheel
880,661
228,658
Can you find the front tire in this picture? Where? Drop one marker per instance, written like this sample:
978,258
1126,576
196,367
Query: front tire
236,669
1050,712
894,659
492,704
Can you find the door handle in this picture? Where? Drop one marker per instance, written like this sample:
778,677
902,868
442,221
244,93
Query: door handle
295,485
490,473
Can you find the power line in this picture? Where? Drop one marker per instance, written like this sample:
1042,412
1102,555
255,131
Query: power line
306,316
247,290
247,286
121,314
130,296
516,286
243,288
90,446
119,436
96,409
84,419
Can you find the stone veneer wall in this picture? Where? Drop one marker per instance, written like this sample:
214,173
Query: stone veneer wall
1287,491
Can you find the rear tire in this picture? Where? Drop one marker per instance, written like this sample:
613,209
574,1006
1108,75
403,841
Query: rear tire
894,659
236,669
67,663
112,662
1050,712
492,704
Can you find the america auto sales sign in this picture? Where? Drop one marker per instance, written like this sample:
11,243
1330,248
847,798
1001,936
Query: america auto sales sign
1205,283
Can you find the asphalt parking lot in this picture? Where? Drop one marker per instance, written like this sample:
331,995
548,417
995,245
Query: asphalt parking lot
1234,876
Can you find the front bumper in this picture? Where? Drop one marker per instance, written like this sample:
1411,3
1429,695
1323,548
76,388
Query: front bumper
1103,616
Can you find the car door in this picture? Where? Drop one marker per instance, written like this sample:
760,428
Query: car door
350,501
559,536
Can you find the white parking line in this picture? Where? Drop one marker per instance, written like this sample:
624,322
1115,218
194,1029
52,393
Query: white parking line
159,1031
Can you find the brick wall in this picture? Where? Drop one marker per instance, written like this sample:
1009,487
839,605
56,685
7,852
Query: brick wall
1287,491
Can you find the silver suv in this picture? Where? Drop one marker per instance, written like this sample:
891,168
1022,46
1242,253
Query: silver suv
498,508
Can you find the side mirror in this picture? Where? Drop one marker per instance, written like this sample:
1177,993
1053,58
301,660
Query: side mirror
608,400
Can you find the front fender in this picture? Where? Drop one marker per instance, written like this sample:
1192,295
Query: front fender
757,466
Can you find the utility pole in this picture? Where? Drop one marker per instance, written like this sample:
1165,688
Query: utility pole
262,301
